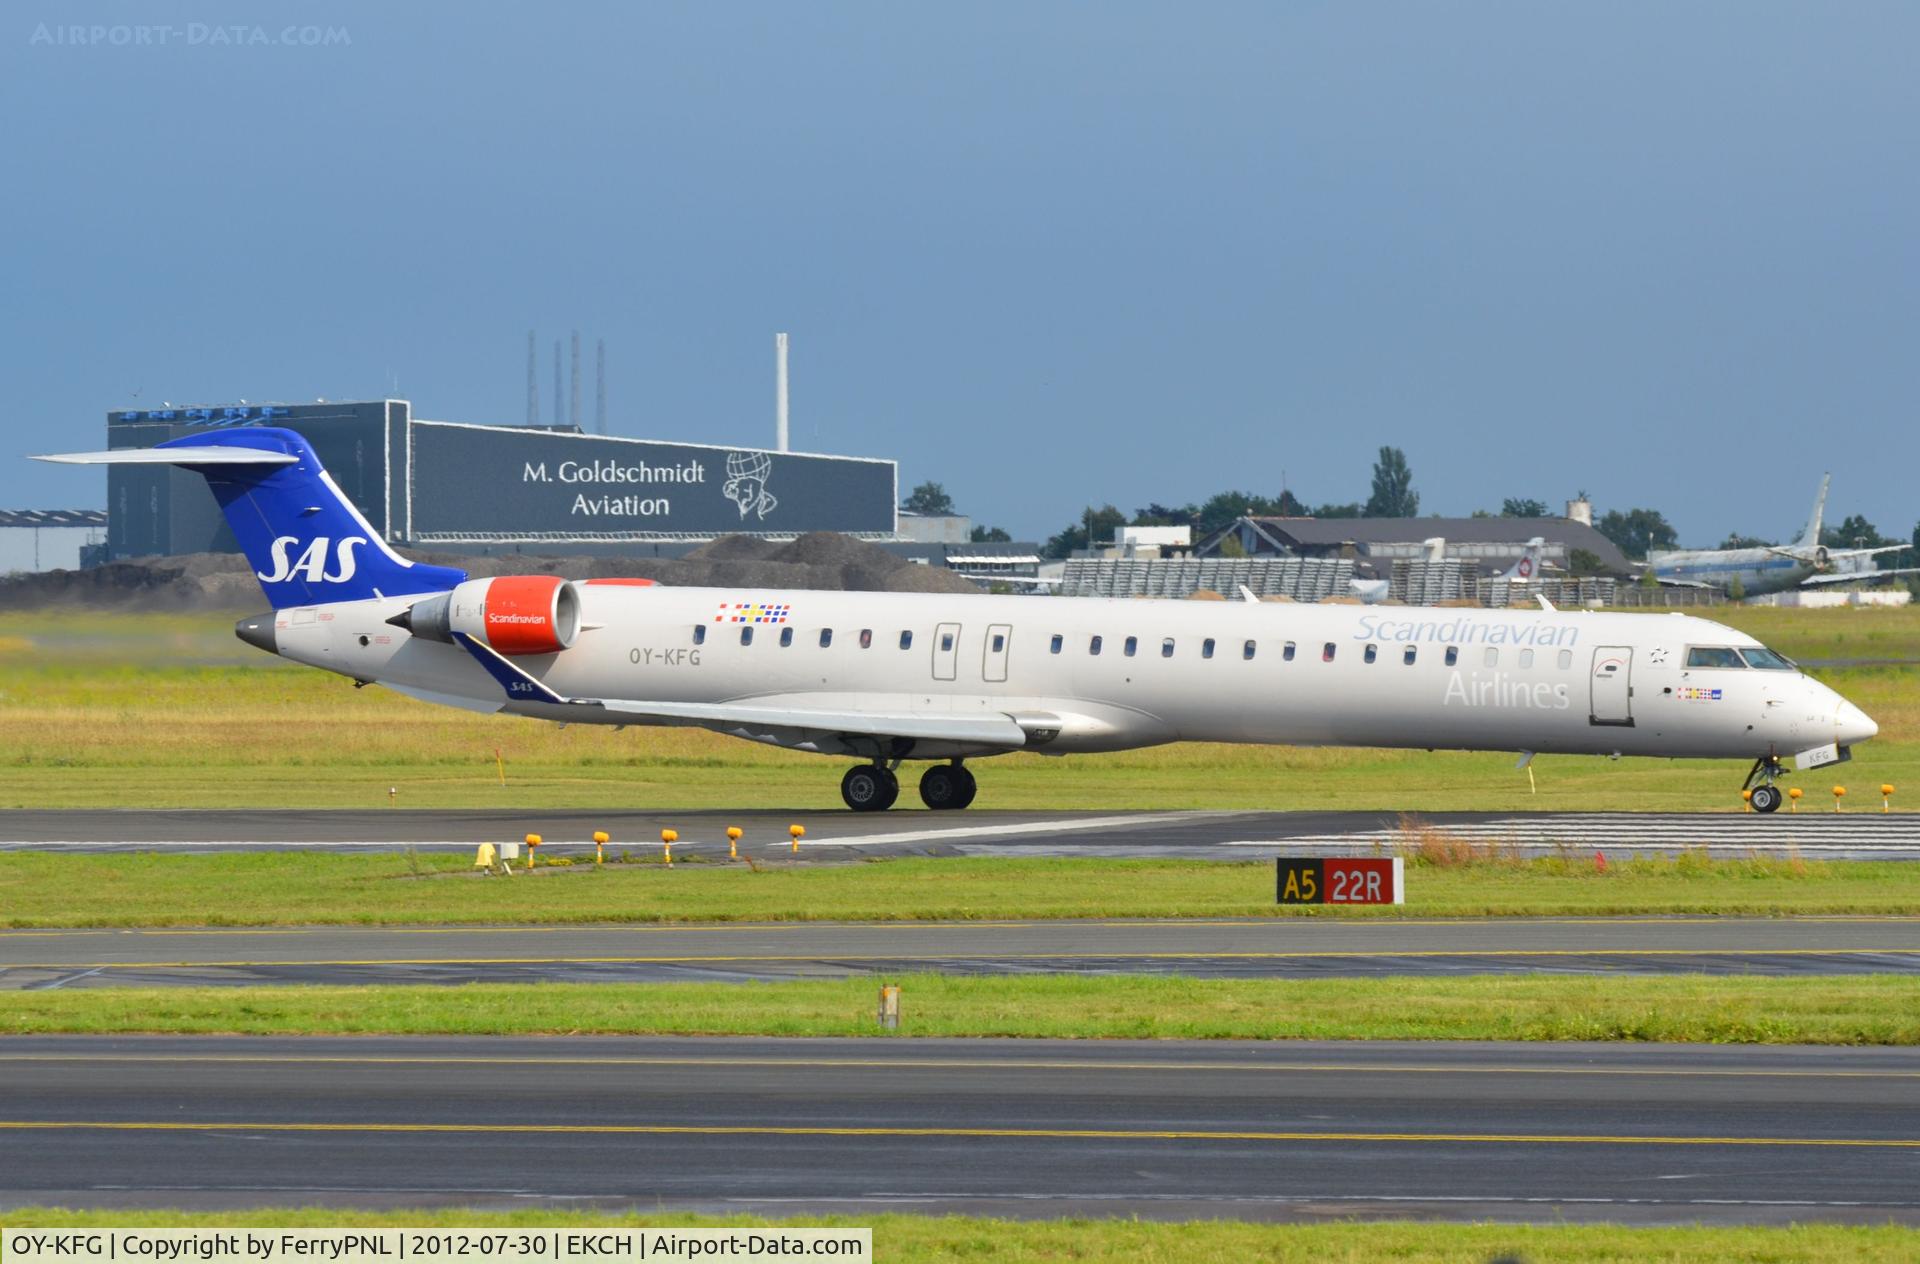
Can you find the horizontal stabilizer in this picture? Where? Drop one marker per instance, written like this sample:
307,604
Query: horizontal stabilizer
174,456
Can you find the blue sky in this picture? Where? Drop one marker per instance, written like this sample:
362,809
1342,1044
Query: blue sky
1042,253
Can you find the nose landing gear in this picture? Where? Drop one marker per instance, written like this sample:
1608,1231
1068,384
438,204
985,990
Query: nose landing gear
1766,796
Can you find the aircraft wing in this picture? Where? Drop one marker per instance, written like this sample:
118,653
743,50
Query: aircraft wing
1680,583
530,696
1856,577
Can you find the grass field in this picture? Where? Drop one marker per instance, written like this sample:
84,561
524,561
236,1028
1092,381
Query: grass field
1843,1010
172,711
952,1239
42,889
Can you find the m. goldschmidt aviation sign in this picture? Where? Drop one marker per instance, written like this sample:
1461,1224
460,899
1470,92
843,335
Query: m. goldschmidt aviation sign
568,484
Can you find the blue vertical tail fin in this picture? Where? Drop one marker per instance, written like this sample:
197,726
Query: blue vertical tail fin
306,541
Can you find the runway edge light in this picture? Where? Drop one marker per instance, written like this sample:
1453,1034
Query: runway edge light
600,840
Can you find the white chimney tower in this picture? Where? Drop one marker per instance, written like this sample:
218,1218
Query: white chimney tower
780,392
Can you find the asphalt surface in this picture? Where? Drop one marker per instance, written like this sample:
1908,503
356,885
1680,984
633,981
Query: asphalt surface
1633,1133
839,835
1254,948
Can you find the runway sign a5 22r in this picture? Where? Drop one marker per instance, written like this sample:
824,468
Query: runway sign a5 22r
1335,880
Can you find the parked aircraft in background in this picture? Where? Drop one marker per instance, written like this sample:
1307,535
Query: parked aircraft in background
1806,563
884,678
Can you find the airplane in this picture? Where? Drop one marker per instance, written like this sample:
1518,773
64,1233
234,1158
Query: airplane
1806,563
1529,566
884,678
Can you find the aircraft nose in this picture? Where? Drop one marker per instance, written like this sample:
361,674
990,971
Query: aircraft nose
257,631
1852,725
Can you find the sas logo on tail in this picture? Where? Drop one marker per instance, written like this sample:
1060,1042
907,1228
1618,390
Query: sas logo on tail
312,563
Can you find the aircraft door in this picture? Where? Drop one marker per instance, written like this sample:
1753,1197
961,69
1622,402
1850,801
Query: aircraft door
1612,684
993,666
946,651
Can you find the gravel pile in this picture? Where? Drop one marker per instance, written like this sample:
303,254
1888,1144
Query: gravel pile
224,581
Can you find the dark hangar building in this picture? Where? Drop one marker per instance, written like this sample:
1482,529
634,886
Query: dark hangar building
459,487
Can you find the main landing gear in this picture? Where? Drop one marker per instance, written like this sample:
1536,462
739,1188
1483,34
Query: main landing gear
947,786
1766,796
874,787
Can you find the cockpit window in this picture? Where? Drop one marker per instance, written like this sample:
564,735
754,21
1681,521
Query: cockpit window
1764,658
1713,656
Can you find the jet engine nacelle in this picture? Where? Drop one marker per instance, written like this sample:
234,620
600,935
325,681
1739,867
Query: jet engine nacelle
513,614
1822,560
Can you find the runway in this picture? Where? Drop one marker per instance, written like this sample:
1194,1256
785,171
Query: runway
840,835
1633,1133
1252,948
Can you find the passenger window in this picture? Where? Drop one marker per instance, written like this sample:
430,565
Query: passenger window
786,637
1565,659
1407,657
826,637
1166,648
1206,648
1133,643
1058,641
1713,656
866,638
1286,652
1093,646
1491,658
1373,652
746,635
1246,651
946,642
906,640
1453,655
699,634
1326,652
999,641
1526,658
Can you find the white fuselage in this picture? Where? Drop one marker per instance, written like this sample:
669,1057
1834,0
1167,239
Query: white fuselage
1542,681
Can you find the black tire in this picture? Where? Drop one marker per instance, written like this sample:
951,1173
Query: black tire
866,788
947,787
1766,798
968,786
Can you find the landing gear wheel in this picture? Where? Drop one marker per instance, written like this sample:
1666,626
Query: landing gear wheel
1766,797
947,787
867,788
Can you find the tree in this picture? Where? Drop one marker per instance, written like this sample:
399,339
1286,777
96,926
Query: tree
930,499
1353,510
1106,520
990,535
1393,494
1159,515
1637,531
1855,532
1513,507
1583,562
1735,540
